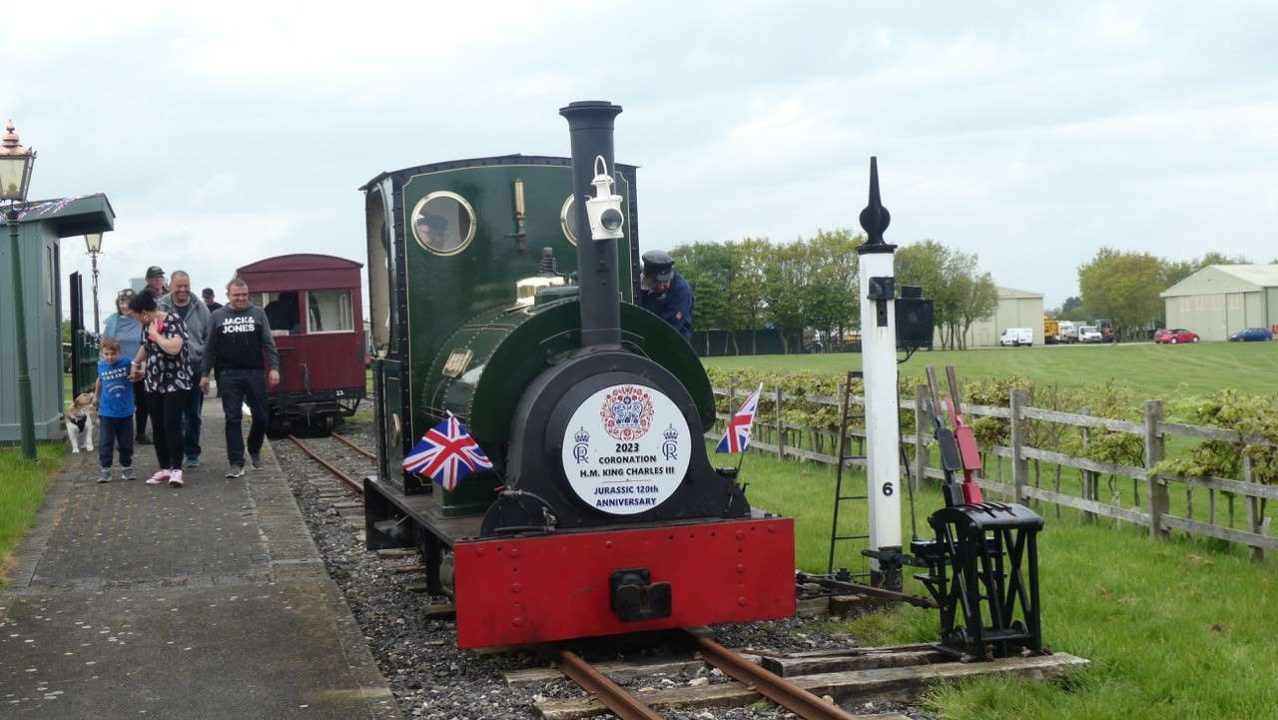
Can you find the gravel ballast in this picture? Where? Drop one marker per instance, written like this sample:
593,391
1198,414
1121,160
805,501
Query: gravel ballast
434,680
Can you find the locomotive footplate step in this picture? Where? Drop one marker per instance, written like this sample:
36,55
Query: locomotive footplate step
207,601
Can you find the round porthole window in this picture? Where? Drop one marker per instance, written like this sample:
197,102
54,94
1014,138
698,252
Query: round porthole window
568,219
443,223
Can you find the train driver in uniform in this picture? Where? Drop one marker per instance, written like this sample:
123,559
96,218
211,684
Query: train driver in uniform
665,293
433,231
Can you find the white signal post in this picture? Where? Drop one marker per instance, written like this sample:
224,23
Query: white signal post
878,363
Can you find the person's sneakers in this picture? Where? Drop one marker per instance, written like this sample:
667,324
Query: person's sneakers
160,478
142,439
192,462
175,478
236,471
128,474
104,475
256,460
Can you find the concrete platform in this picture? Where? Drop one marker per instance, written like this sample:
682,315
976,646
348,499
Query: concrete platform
209,601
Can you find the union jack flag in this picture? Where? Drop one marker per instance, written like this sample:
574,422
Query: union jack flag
736,438
446,454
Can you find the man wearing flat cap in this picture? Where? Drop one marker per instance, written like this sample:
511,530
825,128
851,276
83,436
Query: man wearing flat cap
433,231
664,292
155,281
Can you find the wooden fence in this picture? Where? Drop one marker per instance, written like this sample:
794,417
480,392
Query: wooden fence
1151,504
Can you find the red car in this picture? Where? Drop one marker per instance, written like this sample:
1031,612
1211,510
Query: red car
1175,336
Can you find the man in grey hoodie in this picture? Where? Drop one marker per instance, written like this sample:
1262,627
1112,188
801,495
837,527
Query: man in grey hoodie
198,321
240,346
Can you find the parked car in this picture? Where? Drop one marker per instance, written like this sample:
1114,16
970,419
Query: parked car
1013,337
1177,336
1252,335
1089,334
1161,334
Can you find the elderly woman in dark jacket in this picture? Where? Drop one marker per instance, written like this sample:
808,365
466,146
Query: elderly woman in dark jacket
165,366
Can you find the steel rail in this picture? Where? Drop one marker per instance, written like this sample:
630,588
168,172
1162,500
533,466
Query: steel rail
775,688
352,482
616,698
342,439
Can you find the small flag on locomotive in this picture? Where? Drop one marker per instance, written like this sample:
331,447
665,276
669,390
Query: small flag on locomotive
446,454
736,438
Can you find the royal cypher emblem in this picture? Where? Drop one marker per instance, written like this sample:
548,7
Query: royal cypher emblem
627,412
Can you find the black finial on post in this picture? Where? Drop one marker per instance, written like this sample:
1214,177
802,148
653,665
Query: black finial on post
875,218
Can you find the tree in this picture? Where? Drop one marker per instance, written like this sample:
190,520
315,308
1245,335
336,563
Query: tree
923,264
979,300
708,268
784,289
1123,286
832,283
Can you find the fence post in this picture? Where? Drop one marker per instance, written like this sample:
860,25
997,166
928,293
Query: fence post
921,428
1254,522
780,427
1020,466
1088,477
1155,449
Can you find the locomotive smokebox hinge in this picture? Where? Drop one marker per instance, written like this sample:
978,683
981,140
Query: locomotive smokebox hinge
635,597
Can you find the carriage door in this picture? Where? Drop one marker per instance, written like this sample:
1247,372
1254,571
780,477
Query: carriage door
383,296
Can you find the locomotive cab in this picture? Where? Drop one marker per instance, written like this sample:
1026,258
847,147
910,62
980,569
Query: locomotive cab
602,512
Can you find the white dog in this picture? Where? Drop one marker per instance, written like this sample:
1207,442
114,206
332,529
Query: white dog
81,419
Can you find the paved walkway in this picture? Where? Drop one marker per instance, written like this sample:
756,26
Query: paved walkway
209,601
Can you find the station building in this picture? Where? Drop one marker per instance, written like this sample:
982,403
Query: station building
41,229
1220,300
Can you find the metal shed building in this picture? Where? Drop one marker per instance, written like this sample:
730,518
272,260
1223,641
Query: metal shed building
1223,299
41,228
1016,309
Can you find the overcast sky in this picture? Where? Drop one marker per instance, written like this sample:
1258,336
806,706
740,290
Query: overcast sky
1029,133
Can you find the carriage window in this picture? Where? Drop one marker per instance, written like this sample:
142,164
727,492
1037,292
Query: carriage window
282,312
568,219
443,223
329,311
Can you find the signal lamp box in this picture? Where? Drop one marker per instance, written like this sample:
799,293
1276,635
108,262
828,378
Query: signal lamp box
913,319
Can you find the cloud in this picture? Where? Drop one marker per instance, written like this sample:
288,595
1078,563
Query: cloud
1031,135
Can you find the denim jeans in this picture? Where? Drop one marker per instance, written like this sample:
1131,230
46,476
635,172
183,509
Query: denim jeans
236,386
115,431
192,422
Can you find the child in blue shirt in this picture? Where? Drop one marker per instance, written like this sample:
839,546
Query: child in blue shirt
113,393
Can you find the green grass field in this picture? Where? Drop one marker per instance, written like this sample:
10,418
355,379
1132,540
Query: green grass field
1151,370
1174,630
22,489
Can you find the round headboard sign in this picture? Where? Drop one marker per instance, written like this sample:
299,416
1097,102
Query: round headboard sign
626,449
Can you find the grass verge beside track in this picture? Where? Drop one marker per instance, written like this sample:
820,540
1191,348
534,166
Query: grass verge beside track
22,489
1174,630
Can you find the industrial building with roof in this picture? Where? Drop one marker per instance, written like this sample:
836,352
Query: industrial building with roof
1016,309
1222,299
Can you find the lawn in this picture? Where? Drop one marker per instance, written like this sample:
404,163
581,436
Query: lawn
1174,630
1151,370
22,489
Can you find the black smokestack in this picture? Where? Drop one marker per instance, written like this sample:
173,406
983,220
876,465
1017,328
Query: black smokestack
590,126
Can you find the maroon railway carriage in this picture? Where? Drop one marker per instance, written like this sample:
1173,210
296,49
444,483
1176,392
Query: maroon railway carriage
313,303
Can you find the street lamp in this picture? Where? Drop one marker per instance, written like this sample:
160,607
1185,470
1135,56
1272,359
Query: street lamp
15,176
93,241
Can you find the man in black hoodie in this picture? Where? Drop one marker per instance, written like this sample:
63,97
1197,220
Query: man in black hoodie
240,347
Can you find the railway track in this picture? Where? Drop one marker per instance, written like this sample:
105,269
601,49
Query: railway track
628,706
335,471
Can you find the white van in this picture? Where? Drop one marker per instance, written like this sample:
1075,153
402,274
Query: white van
1017,336
1089,334
1068,332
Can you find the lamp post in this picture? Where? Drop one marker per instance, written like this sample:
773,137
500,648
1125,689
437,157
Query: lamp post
15,178
93,241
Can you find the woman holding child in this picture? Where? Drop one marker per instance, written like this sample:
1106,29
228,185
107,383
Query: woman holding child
168,377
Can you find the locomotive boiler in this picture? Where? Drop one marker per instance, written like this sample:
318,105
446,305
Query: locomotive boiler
501,293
